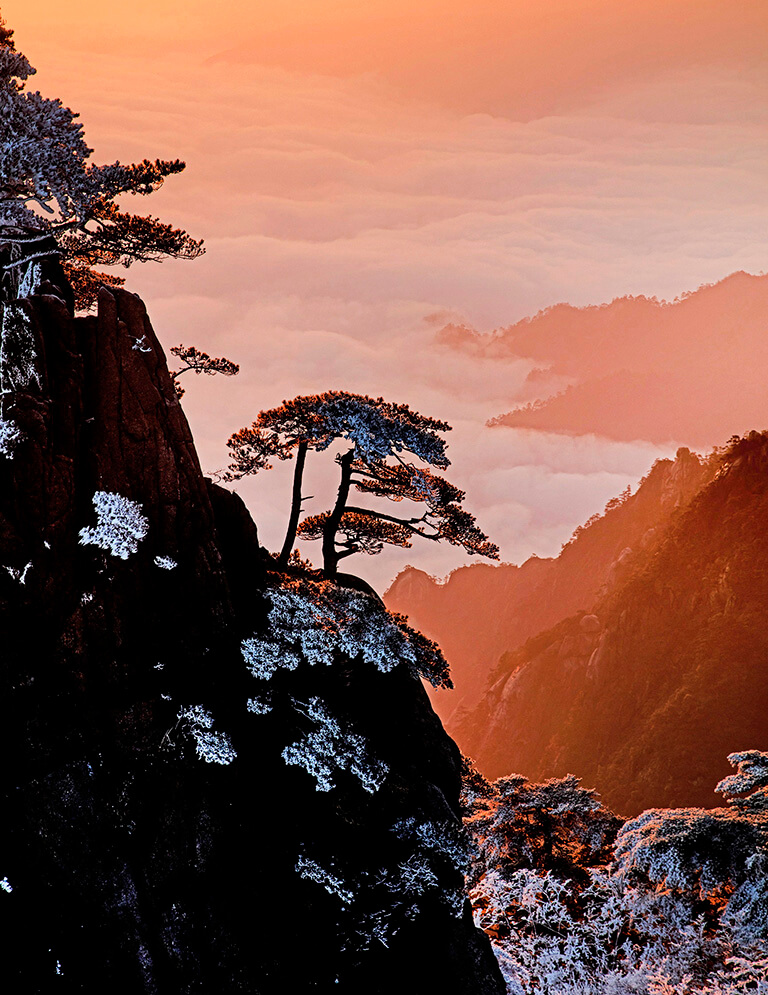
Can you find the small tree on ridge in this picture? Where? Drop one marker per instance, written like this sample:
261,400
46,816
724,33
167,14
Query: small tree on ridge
386,438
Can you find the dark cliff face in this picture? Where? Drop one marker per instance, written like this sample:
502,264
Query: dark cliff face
154,838
673,677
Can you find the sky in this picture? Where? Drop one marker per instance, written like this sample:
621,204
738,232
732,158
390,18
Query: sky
363,174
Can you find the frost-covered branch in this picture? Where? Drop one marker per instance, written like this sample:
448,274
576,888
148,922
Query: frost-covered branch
315,621
213,747
121,525
329,748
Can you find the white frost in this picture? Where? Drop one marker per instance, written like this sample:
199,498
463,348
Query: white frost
121,525
18,356
258,706
10,436
316,621
165,562
330,748
19,575
213,747
310,870
30,282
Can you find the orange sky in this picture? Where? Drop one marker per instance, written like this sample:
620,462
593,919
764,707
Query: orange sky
363,173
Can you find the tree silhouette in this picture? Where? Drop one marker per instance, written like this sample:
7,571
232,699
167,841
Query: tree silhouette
199,362
47,187
386,439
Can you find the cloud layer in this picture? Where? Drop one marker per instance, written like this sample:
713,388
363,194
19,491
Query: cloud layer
351,207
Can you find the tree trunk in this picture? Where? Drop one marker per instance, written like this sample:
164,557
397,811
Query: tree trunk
293,521
330,556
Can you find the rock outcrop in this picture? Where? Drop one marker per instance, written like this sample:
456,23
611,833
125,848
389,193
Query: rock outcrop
165,828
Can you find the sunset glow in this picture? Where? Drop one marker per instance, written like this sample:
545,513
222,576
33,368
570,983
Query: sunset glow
363,176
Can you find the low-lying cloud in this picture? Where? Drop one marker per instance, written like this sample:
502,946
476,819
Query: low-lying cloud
342,212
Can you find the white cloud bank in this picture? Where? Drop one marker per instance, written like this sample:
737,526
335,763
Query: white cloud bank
339,216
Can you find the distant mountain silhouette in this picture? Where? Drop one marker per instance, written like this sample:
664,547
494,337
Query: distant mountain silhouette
692,370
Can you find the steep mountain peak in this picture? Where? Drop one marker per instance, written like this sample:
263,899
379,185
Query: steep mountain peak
190,752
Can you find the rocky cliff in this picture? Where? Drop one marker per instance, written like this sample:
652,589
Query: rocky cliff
646,698
482,611
199,794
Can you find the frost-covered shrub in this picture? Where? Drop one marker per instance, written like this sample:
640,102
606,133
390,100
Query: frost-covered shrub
30,281
554,824
747,790
317,620
10,437
330,748
258,706
213,747
18,355
165,562
681,910
433,845
333,883
688,848
121,525
721,851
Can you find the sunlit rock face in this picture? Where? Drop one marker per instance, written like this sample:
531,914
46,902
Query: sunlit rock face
173,822
648,706
484,611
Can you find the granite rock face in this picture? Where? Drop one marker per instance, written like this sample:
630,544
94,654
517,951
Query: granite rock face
154,838
647,705
483,611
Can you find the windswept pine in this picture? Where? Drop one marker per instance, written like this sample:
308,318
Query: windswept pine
388,442
48,187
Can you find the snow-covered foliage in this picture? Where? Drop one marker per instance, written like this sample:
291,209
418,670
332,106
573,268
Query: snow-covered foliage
165,562
330,748
10,437
121,525
140,344
447,839
715,852
213,747
433,846
42,150
747,789
333,884
378,431
30,281
315,621
18,355
47,183
20,574
686,848
258,706
375,427
680,910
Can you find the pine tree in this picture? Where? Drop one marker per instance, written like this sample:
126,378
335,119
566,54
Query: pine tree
386,440
48,187
199,362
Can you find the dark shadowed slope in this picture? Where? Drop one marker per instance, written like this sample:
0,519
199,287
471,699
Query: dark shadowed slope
171,822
